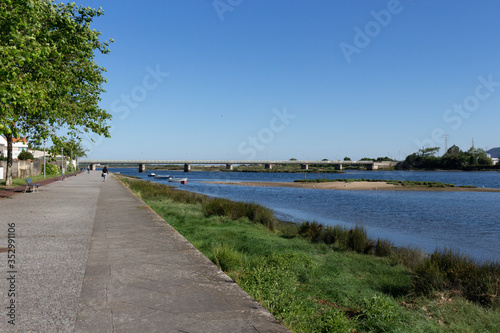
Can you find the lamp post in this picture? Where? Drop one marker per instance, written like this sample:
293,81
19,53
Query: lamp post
44,160
62,165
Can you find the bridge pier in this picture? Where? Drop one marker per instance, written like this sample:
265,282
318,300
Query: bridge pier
229,167
304,166
187,167
142,167
92,167
371,167
268,166
337,166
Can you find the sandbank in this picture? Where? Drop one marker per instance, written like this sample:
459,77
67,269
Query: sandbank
358,185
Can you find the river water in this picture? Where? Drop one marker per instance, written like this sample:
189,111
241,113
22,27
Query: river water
464,221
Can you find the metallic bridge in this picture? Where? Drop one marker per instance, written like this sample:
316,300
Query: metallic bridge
371,165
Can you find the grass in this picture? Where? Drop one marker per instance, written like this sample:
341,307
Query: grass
320,279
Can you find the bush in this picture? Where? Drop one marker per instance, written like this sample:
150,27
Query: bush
357,239
312,231
447,270
52,169
25,155
383,248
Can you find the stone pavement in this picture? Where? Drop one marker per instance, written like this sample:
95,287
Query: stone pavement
92,257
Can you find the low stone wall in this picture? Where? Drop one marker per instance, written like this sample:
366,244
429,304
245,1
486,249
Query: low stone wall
22,169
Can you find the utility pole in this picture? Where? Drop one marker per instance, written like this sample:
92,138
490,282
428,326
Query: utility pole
445,143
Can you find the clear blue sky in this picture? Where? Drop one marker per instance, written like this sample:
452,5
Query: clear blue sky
259,79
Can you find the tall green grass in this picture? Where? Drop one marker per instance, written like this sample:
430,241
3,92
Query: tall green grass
319,279
448,270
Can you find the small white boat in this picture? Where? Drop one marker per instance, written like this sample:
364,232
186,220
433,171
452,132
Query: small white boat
151,174
178,180
162,177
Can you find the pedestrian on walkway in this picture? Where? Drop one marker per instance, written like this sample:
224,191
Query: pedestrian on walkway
104,173
88,169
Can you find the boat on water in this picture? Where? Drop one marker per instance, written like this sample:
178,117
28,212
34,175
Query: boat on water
162,177
152,174
178,180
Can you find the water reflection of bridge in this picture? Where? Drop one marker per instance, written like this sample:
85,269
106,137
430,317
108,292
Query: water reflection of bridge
370,165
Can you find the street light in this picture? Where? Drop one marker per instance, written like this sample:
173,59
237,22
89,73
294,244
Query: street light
44,160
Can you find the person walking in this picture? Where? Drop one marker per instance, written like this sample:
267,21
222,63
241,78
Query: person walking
104,173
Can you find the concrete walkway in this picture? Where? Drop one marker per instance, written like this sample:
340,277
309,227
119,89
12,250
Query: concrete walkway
92,257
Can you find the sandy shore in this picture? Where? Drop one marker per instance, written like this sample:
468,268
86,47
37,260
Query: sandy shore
361,185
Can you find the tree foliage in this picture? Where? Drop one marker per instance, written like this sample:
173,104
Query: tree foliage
453,159
49,79
25,155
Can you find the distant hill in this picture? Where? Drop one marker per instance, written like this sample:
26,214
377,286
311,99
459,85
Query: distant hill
494,152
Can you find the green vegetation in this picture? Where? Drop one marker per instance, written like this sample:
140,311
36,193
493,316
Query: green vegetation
25,155
453,159
331,279
51,169
50,79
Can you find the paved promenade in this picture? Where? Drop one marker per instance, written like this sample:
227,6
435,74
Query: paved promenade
92,257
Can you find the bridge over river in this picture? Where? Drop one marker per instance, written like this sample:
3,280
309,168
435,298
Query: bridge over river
370,165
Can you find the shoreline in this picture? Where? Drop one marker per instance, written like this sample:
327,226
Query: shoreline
360,186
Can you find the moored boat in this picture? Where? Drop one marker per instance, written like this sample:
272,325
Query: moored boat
152,174
162,177
178,180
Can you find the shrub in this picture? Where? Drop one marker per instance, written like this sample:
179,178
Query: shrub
311,231
25,155
447,270
383,248
357,239
341,235
408,257
51,169
328,235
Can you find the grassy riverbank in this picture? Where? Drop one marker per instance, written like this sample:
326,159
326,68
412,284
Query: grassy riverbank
317,279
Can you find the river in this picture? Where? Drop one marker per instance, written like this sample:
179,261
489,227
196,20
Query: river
464,221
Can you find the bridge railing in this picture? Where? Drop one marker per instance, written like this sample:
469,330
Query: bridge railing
92,161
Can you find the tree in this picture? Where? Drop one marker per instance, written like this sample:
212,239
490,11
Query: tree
347,158
49,79
70,147
427,152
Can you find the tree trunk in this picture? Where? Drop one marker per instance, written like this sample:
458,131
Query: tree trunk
8,173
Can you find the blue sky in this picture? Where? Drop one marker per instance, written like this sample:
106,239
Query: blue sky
241,79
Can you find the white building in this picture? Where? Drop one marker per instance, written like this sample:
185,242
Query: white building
18,145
